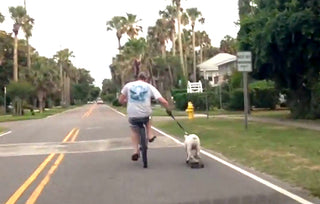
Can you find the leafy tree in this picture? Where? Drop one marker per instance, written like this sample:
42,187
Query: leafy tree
228,45
283,36
45,79
94,92
19,93
6,56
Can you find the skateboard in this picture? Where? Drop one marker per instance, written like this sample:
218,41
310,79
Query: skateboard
196,164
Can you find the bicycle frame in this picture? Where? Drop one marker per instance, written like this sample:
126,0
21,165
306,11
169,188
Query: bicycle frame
141,124
143,144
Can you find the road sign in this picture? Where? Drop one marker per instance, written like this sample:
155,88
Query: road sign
244,61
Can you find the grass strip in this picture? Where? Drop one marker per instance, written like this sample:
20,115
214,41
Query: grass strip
37,115
288,153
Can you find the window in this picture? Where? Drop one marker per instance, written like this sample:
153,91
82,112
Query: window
216,79
210,78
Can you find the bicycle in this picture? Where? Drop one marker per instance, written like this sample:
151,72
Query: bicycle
141,125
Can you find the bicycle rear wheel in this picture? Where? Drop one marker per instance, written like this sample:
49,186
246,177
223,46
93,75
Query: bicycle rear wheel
143,146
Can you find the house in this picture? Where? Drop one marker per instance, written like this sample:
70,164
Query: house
216,68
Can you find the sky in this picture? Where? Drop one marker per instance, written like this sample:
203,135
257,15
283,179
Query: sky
80,26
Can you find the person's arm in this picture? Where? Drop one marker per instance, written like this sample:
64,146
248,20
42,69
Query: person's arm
164,102
122,99
161,100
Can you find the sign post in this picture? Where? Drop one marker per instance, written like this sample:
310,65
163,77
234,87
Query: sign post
244,64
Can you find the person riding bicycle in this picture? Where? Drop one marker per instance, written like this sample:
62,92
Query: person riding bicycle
137,95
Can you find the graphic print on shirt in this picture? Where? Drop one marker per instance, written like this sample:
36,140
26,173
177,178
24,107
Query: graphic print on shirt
138,93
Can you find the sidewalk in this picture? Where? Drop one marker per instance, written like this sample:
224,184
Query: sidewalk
285,122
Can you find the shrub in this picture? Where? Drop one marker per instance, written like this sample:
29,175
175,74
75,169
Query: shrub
116,102
236,99
265,98
177,91
200,100
181,101
108,97
264,95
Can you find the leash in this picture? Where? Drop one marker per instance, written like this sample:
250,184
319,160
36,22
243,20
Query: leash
185,132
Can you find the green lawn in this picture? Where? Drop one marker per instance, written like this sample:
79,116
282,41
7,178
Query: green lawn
37,115
291,154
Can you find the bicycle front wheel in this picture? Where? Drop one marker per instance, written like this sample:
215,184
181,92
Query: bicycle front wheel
143,147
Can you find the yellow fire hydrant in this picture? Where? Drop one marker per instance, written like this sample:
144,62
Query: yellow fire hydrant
190,110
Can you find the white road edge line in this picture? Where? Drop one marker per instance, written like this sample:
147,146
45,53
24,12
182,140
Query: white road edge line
238,169
246,173
6,133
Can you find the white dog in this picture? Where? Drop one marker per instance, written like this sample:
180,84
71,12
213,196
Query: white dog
192,145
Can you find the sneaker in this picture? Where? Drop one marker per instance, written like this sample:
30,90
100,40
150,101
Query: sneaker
135,157
152,139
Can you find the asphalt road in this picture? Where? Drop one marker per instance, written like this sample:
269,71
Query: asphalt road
84,156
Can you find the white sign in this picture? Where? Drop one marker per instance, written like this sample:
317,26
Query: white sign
244,61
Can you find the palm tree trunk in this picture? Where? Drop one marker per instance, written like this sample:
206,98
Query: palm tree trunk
15,59
194,56
163,51
180,41
119,45
201,53
40,98
61,86
173,37
28,54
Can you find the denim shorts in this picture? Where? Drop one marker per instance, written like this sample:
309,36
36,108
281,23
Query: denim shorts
135,122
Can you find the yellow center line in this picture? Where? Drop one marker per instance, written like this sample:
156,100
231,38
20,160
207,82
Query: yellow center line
88,113
36,173
75,135
27,183
36,193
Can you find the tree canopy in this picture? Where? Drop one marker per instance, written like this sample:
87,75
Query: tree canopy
284,39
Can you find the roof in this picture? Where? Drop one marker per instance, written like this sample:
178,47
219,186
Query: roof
216,61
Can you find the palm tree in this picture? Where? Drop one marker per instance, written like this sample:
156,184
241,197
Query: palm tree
132,29
161,34
1,18
45,79
186,46
178,5
202,40
27,26
117,23
63,59
170,14
194,14
17,14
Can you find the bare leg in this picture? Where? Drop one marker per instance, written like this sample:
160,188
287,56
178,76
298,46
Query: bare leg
149,130
135,140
